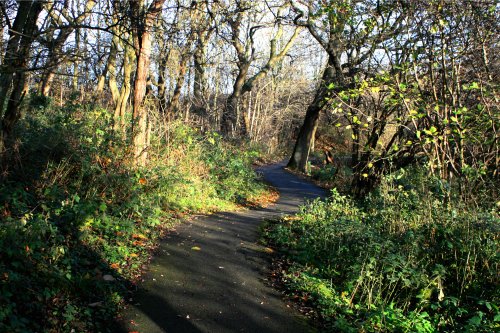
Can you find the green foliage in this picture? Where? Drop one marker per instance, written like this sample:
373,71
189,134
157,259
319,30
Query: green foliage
403,260
230,171
78,221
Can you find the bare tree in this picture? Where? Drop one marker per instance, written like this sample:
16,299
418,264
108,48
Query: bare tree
233,120
64,22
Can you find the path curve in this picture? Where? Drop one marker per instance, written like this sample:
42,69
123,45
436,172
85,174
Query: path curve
221,287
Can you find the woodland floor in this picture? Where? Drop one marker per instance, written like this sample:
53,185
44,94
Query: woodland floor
210,273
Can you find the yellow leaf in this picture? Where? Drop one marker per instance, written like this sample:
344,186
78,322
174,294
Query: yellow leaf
268,250
365,175
196,248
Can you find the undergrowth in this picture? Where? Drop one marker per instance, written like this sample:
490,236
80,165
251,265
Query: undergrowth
78,222
406,259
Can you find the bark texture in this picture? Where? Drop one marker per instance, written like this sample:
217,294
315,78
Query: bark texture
143,22
14,69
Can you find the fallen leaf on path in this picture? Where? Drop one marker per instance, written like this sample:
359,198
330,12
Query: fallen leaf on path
196,248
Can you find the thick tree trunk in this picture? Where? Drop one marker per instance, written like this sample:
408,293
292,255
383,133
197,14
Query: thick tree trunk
200,80
140,115
305,139
11,53
17,64
233,123
307,132
143,24
46,83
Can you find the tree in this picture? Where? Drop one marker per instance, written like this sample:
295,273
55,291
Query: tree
63,22
349,32
142,24
233,120
14,68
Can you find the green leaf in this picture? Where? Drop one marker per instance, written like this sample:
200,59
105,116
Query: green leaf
474,85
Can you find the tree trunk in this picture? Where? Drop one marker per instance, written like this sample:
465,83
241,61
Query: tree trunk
143,24
307,132
112,70
173,104
305,139
76,71
11,53
122,101
162,83
233,123
17,64
200,80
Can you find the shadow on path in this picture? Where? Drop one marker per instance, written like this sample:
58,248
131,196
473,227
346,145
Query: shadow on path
209,275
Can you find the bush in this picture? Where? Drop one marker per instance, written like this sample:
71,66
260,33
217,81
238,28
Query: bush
401,261
78,222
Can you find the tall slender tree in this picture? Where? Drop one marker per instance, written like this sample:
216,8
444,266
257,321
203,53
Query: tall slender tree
143,21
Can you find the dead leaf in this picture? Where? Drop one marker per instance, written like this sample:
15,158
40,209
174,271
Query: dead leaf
139,236
268,250
196,248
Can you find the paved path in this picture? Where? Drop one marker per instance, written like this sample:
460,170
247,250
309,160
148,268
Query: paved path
221,287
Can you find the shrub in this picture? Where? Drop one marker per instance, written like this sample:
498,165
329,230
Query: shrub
403,260
78,222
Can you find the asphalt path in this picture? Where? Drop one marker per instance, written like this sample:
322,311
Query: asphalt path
210,273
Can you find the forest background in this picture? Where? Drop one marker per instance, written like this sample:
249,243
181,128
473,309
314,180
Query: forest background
117,117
